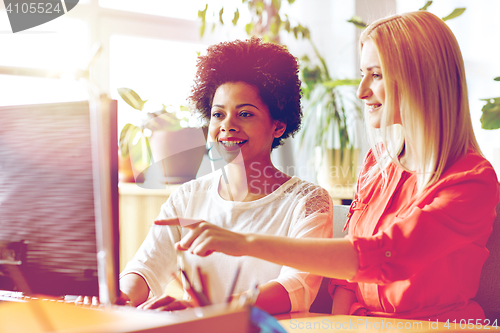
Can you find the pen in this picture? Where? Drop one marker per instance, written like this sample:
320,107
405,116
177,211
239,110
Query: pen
199,298
233,285
203,284
188,289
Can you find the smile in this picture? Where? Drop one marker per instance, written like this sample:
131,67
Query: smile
232,143
373,107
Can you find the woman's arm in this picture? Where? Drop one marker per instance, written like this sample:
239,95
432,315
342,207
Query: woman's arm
134,288
273,298
326,257
342,300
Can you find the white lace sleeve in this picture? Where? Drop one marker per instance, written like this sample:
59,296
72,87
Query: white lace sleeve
313,219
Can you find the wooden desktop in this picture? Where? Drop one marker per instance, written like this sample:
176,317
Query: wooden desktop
321,323
37,316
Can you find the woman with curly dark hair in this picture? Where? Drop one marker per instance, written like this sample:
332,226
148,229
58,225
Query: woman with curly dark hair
249,94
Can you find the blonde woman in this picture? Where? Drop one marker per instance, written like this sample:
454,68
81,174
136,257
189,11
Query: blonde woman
425,200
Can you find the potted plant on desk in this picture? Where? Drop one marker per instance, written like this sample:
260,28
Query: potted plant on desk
166,147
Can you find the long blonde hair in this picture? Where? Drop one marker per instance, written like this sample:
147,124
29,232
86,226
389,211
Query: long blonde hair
424,80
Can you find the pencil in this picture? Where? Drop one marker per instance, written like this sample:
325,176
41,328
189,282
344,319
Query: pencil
188,288
192,292
233,285
203,284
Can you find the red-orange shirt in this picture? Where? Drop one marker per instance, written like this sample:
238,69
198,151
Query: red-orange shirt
420,256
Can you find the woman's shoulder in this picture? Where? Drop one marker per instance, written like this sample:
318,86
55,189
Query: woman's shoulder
472,173
303,188
312,197
472,165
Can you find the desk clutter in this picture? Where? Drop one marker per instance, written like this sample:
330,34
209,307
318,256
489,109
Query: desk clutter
21,314
37,316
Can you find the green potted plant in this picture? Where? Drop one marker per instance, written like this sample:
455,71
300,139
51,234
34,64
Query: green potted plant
164,139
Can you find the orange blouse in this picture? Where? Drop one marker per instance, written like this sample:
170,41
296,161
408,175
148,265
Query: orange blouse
420,256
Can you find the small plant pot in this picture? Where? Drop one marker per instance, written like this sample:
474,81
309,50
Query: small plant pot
176,155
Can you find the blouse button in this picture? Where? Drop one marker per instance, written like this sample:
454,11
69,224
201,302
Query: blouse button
388,254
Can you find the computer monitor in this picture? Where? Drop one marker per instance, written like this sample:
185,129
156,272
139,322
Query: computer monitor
59,198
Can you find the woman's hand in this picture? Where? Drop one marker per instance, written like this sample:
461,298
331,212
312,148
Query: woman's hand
205,238
123,299
164,303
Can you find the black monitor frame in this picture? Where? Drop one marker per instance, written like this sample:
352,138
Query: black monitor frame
88,190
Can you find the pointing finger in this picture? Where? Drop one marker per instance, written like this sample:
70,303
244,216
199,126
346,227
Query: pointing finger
180,221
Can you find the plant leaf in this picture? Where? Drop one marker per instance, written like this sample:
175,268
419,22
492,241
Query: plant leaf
276,4
124,139
455,13
497,78
124,131
202,28
248,28
491,114
343,82
275,26
131,98
140,152
236,17
358,22
287,25
428,3
221,11
202,15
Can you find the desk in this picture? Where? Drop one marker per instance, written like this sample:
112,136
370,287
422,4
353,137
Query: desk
48,316
321,323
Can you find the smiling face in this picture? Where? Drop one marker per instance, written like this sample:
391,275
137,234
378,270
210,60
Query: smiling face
372,88
240,121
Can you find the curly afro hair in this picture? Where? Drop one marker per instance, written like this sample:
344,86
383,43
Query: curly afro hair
268,66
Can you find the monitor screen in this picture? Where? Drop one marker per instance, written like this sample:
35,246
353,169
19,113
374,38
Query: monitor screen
59,198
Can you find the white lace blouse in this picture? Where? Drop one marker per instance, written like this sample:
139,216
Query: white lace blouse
295,209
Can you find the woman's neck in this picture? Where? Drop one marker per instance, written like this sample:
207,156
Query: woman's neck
407,158
249,181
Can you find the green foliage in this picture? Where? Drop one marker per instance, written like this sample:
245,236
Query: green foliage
236,17
359,23
427,4
202,16
491,114
490,118
455,13
134,140
131,98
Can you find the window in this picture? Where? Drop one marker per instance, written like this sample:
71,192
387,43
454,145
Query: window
160,71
